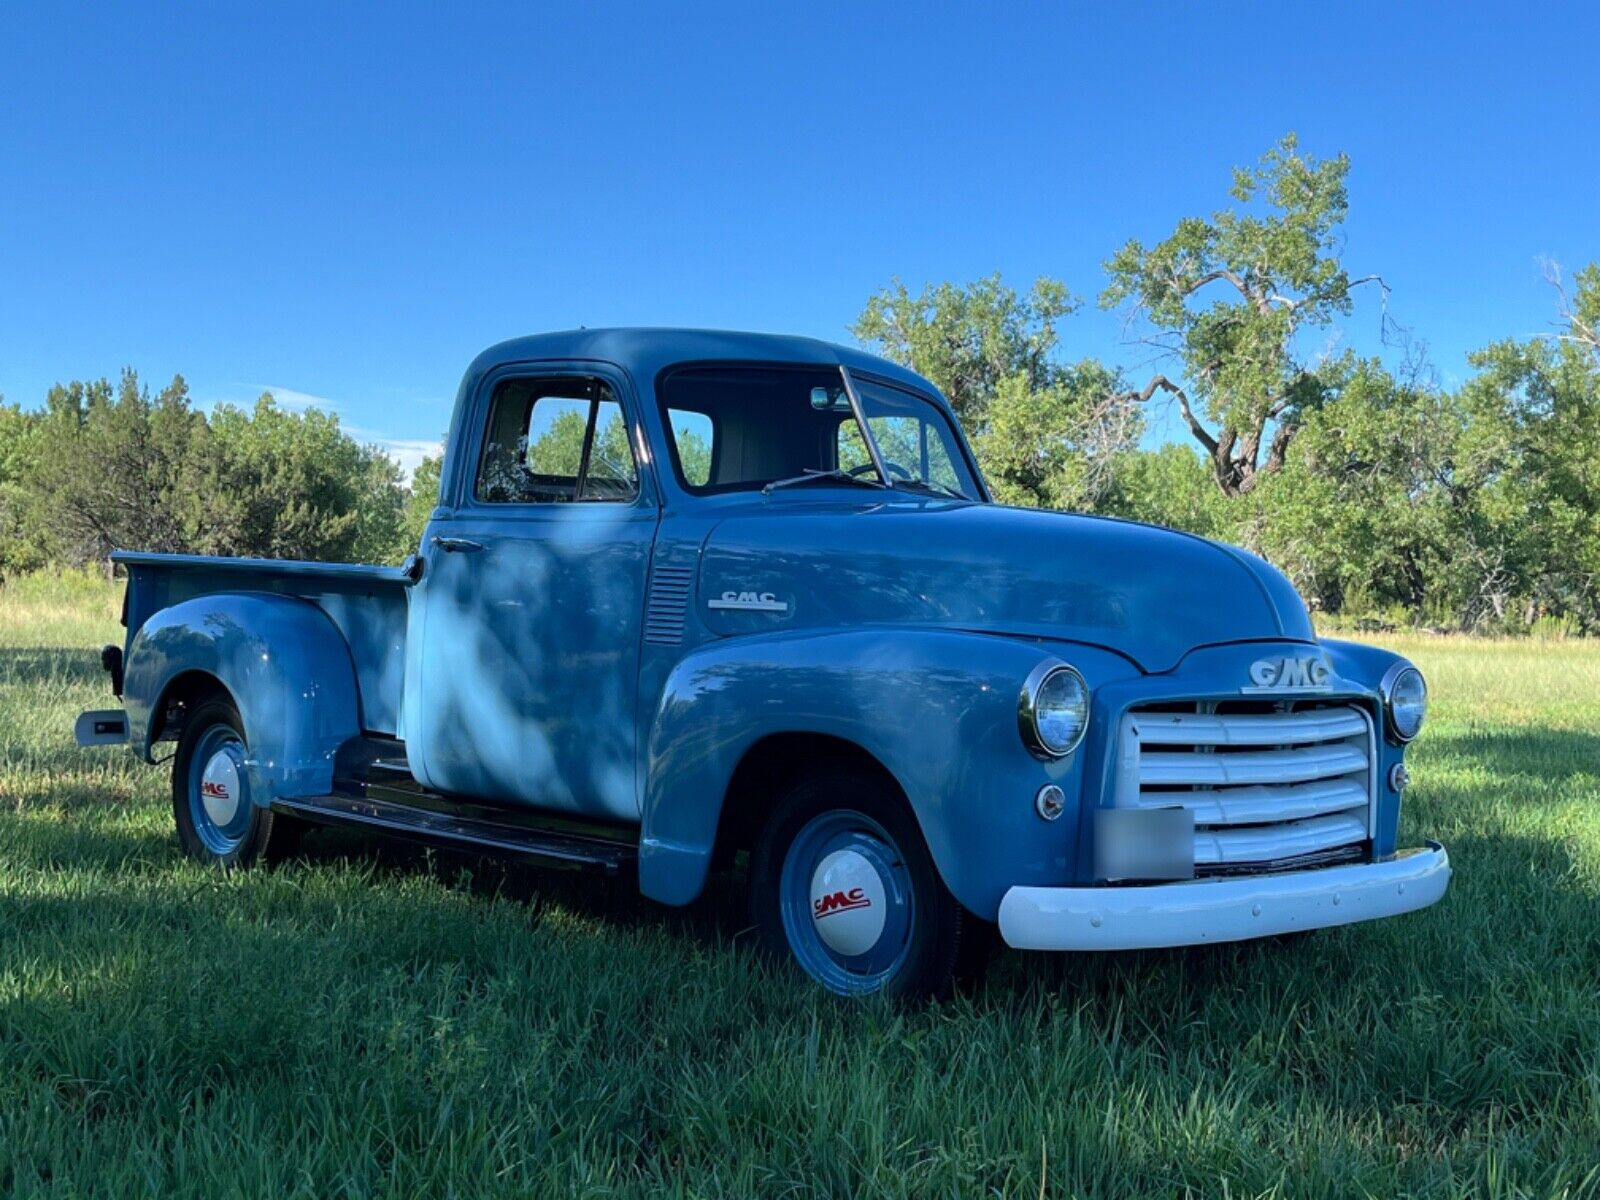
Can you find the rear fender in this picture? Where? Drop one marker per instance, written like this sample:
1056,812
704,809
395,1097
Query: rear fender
937,709
284,663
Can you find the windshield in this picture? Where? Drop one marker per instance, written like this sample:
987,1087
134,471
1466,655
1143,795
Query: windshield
738,428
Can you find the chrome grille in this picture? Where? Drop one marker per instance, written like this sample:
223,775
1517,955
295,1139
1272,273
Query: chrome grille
1268,789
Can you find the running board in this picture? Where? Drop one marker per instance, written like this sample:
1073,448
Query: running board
546,847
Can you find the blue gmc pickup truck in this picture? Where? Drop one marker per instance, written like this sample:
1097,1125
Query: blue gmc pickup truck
691,596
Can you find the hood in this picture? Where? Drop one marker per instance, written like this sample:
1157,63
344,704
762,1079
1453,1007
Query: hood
1147,593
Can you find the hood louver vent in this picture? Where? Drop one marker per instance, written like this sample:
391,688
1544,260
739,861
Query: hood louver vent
667,605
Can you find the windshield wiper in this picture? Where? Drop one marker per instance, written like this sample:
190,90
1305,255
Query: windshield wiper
929,488
815,475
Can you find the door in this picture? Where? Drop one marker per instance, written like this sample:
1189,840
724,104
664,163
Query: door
532,600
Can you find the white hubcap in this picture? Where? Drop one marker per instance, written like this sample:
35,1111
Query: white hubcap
219,788
847,900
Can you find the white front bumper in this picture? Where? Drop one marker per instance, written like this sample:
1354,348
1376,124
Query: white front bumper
1221,910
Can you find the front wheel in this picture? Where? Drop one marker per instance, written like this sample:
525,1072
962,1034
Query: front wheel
218,820
841,882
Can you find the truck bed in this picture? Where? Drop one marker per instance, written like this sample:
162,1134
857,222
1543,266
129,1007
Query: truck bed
367,602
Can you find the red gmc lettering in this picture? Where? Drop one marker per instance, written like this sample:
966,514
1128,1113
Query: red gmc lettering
840,902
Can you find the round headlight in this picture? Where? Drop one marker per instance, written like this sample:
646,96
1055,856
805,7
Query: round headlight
1054,710
1405,699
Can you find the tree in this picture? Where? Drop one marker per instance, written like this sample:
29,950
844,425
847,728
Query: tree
694,453
294,485
969,338
1047,432
1228,298
115,468
422,497
1377,506
23,545
1534,408
1478,507
558,450
1580,314
118,468
1057,444
1171,485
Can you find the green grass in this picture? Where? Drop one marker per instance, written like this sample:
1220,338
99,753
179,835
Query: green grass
372,1021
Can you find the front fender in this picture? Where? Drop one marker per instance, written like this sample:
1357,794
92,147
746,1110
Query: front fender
1368,665
938,709
1359,661
286,666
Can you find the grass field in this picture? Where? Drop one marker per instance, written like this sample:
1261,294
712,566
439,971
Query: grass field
373,1021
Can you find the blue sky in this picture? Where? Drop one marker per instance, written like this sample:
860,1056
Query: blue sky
349,203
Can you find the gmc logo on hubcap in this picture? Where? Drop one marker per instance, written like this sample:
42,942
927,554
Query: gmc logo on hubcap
836,902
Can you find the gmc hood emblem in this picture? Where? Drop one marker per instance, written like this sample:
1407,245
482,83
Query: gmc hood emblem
749,602
1309,674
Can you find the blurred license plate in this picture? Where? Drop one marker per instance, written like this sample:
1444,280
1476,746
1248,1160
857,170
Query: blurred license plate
1143,843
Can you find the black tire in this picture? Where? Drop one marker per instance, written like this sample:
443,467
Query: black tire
263,836
931,929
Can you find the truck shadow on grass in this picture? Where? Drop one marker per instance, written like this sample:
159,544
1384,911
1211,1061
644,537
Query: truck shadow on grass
1512,894
717,916
1417,1009
1506,761
1325,966
720,915
1508,758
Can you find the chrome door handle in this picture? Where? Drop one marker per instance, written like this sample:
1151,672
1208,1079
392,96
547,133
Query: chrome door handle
457,545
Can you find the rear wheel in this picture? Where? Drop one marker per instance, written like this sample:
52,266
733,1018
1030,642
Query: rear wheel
218,819
842,884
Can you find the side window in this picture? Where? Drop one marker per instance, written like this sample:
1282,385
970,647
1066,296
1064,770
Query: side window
695,439
552,441
937,467
851,450
912,444
899,441
554,436
910,448
611,474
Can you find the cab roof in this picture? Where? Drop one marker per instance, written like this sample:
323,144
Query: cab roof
645,352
